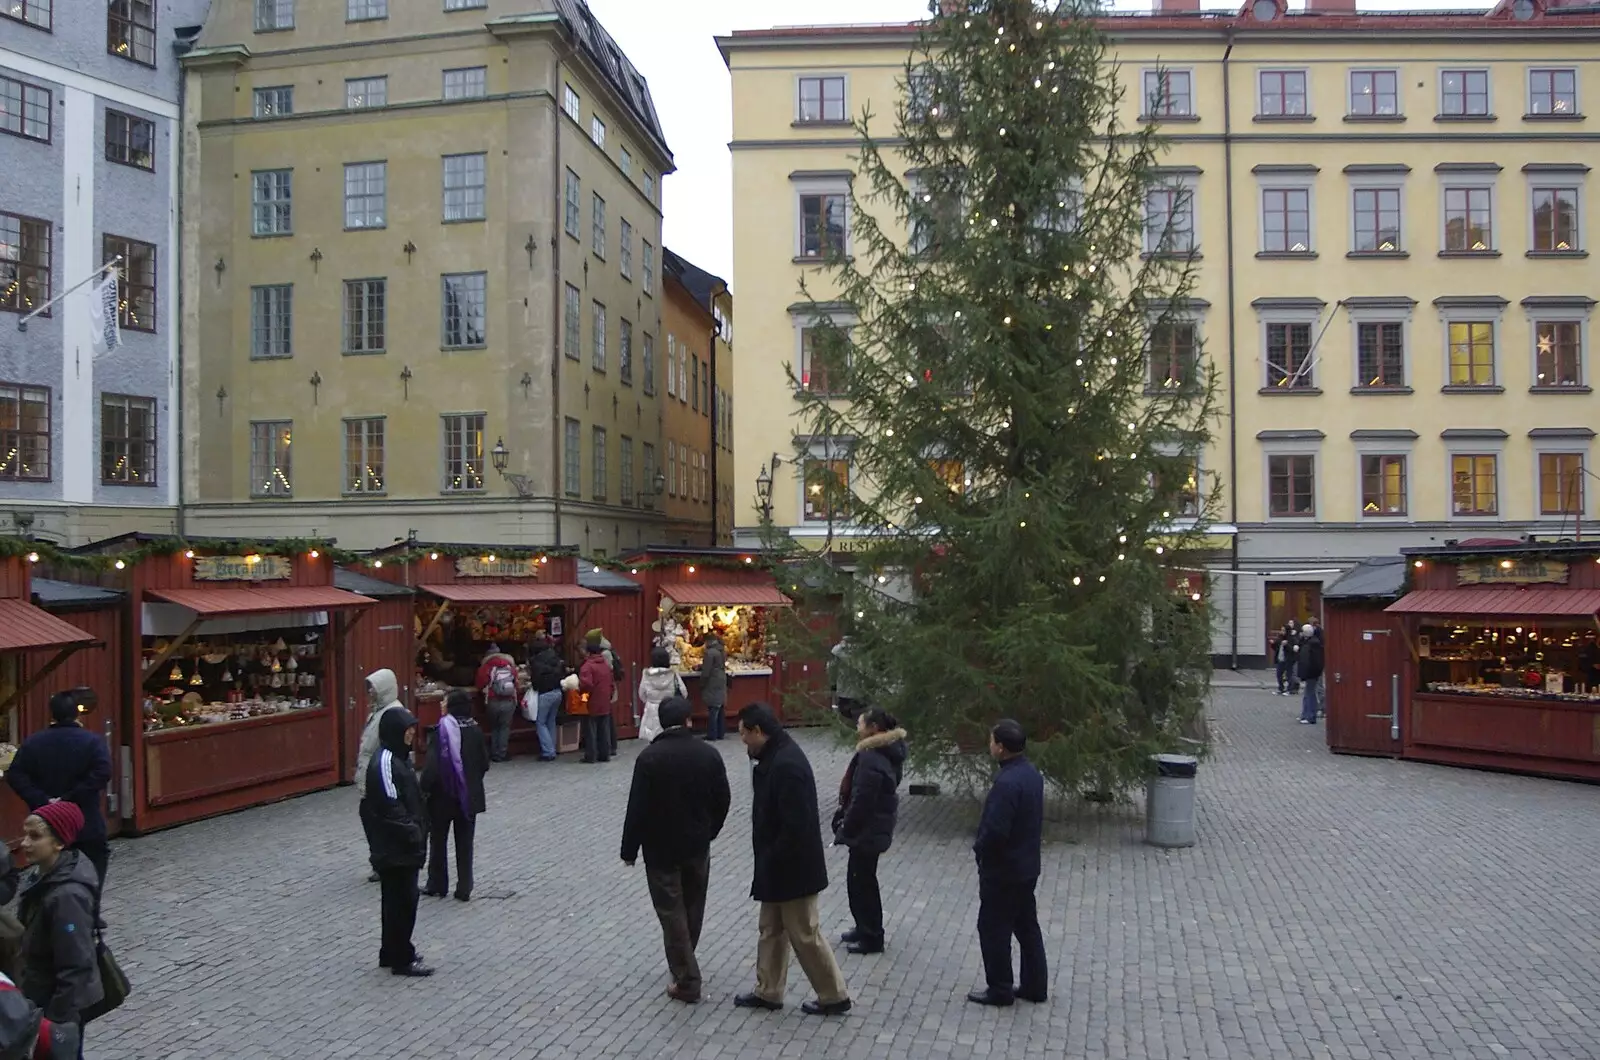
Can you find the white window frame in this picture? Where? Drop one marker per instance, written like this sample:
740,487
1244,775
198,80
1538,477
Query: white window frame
475,282
1173,180
1559,311
572,205
274,94
1400,311
597,224
571,457
625,161
380,81
1563,444
571,102
1304,71
465,204
364,441
466,422
1179,521
1490,311
276,205
1481,446
597,131
829,185
1470,180
1275,178
1350,94
1145,98
365,10
366,195
599,469
1393,443
803,317
826,449
599,321
271,16
1312,447
1577,94
265,432
1310,315
467,87
625,248
1488,92
647,266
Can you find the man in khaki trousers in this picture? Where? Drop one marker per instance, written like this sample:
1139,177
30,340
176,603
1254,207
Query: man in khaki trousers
790,869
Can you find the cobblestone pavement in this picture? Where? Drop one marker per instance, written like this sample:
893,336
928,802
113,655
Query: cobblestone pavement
1336,907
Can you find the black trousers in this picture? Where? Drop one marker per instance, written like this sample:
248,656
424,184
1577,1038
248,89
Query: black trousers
1007,908
399,890
465,826
598,734
678,892
716,721
98,851
866,901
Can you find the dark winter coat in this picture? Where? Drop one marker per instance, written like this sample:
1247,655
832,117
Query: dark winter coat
474,763
678,802
64,762
60,969
784,829
714,676
392,809
545,670
871,805
1011,831
1310,664
594,677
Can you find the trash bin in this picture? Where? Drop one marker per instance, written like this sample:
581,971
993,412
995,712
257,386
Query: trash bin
1169,801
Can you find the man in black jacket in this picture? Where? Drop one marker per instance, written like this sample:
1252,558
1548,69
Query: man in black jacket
545,671
1010,836
1310,666
677,806
67,761
397,834
790,869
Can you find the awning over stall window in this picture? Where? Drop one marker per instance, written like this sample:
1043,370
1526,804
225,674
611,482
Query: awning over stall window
712,594
23,627
216,602
511,593
1499,603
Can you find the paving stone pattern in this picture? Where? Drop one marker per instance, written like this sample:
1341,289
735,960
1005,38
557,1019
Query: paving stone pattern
1336,907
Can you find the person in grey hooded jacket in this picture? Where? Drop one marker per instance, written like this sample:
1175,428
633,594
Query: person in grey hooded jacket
383,695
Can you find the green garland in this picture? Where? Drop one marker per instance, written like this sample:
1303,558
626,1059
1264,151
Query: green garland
757,562
163,547
408,554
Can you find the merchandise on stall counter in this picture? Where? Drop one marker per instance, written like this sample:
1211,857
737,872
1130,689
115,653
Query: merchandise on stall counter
743,631
232,677
1509,660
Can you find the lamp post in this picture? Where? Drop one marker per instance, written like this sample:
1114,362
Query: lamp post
764,487
500,457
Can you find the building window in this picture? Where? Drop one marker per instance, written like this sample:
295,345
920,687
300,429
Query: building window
28,12
1283,93
571,218
1185,497
824,360
625,249
597,131
1553,92
468,82
647,466
1377,212
271,321
136,297
130,141
464,308
822,225
672,365
365,194
1559,353
821,99
272,202
705,388
362,92
1168,94
271,458
572,330
24,109
1169,220
672,468
694,385
625,161
647,363
364,10
24,263
365,311
463,452
625,351
464,177
464,5
363,455
1474,486
131,30
625,468
1374,93
827,489
650,187
683,471
1172,358
683,374
24,433
597,224
274,14
1560,483
1286,220
597,461
597,355
571,104
1468,219
571,457
1555,220
1471,353
1381,355
1292,482
274,102
127,440
1289,356
1383,485
647,267
1464,93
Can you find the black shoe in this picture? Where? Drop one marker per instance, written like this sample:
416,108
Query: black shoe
383,962
825,1008
431,893
990,997
853,935
462,896
754,1000
414,970
1037,999
863,947
372,877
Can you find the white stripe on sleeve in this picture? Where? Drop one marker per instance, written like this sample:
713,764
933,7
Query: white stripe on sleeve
386,770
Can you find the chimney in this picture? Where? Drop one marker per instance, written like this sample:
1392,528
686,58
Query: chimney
1330,7
1177,7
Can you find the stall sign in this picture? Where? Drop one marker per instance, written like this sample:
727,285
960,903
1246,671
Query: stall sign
241,568
479,567
1512,572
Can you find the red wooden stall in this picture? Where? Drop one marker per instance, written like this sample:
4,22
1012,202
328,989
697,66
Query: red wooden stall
381,637
1366,659
617,614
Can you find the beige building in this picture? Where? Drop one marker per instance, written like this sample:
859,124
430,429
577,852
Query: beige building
421,289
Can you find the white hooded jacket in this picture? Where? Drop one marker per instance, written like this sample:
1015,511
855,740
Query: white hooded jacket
384,689
655,685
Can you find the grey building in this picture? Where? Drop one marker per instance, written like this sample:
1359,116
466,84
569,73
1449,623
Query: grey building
89,170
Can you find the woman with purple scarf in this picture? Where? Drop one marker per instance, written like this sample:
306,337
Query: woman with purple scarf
452,781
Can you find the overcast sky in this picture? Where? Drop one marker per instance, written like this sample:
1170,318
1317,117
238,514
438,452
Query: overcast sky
671,42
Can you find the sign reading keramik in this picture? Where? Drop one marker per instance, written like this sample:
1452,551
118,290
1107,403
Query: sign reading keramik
241,568
483,567
1512,572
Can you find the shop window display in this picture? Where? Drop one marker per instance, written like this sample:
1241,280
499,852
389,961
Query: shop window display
742,629
219,678
1509,658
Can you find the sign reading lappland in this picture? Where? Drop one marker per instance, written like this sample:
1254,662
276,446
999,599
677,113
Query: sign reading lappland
241,568
482,567
1512,572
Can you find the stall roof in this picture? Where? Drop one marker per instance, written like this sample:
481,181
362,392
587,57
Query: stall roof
52,593
591,576
23,626
454,548
1534,602
724,595
1378,577
510,593
218,602
351,581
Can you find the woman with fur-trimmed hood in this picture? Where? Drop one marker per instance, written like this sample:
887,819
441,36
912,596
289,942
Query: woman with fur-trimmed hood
868,807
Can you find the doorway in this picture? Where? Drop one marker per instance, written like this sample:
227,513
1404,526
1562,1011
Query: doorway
1292,601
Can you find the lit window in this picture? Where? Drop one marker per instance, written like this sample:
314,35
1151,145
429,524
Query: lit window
1383,485
1472,353
136,273
271,458
1559,353
24,433
363,455
131,30
1292,486
1474,486
127,440
463,452
1468,220
1561,483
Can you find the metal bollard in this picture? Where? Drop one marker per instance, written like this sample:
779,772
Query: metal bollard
1169,801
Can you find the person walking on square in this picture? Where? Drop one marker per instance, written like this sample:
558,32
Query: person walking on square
544,678
1310,668
70,763
383,695
452,782
497,680
868,808
594,678
714,687
1008,849
676,807
658,682
790,869
396,824
1284,646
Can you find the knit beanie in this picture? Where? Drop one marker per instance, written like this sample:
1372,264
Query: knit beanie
593,638
64,818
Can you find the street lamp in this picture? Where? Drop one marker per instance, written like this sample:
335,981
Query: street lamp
500,455
764,487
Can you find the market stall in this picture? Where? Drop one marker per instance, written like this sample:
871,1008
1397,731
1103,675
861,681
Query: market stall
617,613
378,638
1365,651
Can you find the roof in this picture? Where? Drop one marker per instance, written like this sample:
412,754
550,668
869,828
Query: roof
1529,602
355,582
52,593
482,549
593,576
701,285
23,626
509,593
723,595
1491,546
593,40
1380,576
212,603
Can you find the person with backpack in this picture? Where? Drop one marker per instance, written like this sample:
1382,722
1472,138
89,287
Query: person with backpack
497,680
657,683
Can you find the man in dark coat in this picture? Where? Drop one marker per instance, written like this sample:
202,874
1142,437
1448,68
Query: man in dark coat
790,869
714,687
868,808
676,807
1310,666
67,761
396,824
1010,836
452,786
545,672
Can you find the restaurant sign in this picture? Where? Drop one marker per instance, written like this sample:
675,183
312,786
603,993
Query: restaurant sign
1512,572
242,568
484,567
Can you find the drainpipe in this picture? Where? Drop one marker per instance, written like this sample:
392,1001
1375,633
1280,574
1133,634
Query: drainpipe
181,47
716,408
1233,337
557,188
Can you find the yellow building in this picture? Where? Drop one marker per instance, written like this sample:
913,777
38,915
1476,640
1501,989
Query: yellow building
1390,218
696,424
421,240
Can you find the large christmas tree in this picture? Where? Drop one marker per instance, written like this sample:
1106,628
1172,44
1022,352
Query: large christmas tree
1014,386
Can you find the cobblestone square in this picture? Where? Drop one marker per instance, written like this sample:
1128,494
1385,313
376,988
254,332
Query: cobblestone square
1335,907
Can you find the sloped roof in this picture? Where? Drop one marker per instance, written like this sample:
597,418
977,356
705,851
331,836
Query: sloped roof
1381,577
608,57
701,285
